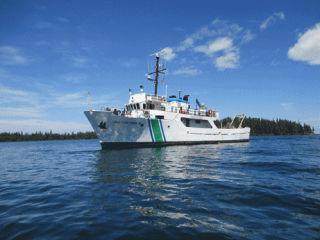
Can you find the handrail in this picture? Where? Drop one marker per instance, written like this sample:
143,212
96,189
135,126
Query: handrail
193,112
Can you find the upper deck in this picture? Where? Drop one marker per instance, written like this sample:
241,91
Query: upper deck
144,105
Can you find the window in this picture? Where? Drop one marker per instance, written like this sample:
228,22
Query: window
159,116
195,123
150,106
188,122
138,106
144,106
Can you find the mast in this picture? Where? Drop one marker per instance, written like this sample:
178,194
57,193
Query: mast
156,73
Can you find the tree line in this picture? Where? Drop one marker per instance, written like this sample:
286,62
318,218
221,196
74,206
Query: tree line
39,136
264,127
259,127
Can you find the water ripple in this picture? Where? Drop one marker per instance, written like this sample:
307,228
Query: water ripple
267,188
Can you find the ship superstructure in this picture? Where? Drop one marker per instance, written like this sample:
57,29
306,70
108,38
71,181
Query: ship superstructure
149,120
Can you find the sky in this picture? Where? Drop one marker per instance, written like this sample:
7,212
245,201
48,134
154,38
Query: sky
261,58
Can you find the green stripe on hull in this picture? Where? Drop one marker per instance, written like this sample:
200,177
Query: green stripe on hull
156,130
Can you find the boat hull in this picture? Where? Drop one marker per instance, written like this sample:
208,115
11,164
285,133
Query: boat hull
128,145
120,132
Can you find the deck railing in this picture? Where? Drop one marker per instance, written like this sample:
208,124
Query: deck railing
146,112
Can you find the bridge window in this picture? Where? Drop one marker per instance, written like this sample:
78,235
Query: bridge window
196,123
150,106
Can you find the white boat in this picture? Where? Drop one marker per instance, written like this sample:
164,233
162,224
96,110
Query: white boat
149,120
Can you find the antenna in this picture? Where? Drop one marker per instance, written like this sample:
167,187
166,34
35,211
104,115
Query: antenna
197,101
156,73
157,54
88,100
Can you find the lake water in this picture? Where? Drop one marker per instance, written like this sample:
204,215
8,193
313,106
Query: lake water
268,188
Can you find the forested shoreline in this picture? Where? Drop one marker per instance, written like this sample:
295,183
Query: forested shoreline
265,127
39,136
259,127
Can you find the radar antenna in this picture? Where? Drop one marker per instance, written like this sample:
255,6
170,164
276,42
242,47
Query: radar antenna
156,73
197,101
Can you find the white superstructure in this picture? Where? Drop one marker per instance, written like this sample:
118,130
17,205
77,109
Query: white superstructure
154,121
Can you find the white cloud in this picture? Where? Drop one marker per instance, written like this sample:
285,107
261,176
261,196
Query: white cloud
220,44
219,40
11,56
79,61
80,99
6,90
70,54
17,96
215,46
34,125
20,112
203,48
188,71
185,44
266,22
280,15
308,47
168,54
203,32
229,60
230,56
287,106
247,37
271,19
71,100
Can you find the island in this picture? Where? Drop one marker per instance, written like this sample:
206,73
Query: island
259,127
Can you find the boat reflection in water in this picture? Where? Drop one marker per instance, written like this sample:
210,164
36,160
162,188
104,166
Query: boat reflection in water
177,186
